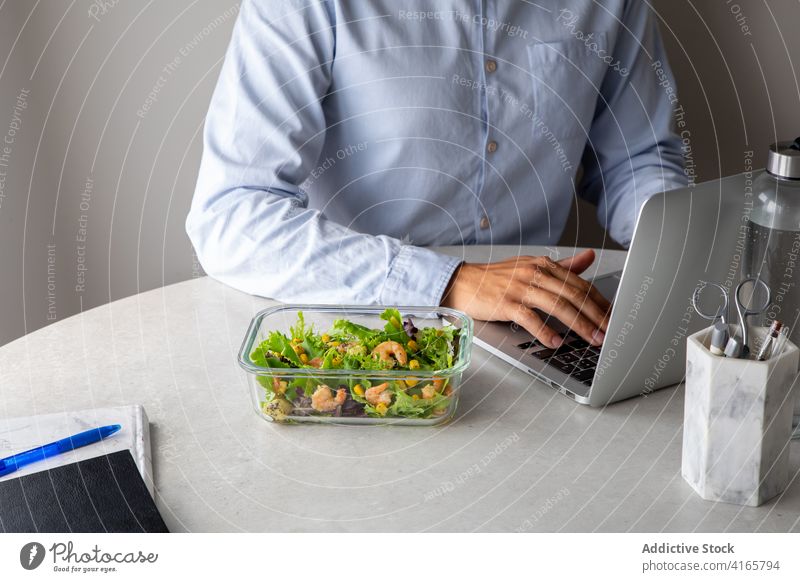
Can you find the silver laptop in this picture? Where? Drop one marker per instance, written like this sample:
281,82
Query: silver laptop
681,237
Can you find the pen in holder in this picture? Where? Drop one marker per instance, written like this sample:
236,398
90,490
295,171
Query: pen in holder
737,421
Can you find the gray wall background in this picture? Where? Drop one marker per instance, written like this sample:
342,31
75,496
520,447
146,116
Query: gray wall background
104,102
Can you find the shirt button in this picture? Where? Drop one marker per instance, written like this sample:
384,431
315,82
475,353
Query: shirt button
485,223
491,66
491,147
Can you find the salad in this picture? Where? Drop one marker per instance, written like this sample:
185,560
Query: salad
398,346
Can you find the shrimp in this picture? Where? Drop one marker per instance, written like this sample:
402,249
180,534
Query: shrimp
430,390
377,394
390,351
324,401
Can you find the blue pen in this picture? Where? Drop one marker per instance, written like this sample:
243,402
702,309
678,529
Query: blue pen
91,436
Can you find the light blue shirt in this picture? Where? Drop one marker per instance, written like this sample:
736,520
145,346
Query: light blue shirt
344,136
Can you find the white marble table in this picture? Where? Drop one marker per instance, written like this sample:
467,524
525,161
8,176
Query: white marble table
518,456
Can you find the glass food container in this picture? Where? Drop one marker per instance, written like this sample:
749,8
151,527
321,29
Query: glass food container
339,396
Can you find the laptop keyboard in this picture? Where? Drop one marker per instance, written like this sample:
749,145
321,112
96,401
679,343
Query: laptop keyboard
576,358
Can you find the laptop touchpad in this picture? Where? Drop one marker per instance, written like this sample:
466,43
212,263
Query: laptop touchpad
608,284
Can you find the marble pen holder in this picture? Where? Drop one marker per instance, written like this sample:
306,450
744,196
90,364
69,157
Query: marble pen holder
737,422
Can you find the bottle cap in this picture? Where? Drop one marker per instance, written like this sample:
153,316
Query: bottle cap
783,159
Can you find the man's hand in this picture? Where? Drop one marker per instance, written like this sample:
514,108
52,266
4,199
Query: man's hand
510,289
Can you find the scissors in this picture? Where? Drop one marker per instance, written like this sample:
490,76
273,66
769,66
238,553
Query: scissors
737,348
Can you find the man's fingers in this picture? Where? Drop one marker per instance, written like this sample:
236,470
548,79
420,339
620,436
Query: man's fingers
564,311
534,325
578,263
570,277
579,298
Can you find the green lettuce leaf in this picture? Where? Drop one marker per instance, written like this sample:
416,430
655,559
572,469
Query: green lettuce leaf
406,405
327,360
267,357
280,344
437,347
394,327
350,329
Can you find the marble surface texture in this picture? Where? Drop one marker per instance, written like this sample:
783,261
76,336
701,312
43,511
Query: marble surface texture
518,456
737,423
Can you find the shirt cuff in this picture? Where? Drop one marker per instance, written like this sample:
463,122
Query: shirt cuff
418,277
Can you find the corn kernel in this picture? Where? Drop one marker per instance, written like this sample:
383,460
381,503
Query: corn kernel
304,358
411,381
297,340
413,365
415,397
337,361
413,346
298,349
334,344
358,389
381,408
326,338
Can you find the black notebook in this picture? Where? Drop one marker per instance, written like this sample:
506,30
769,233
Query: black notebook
103,494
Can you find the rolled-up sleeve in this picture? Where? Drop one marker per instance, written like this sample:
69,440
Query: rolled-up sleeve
249,222
633,151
